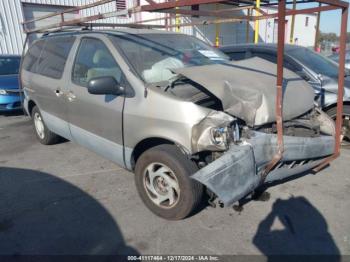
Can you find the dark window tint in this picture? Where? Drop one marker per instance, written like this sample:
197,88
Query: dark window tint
9,65
240,55
32,56
316,62
267,56
94,60
54,56
272,57
237,55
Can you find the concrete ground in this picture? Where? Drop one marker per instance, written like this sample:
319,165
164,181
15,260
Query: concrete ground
63,199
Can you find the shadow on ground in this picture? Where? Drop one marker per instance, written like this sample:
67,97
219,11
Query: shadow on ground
41,214
295,227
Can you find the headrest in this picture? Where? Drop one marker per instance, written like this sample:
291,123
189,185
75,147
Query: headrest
100,56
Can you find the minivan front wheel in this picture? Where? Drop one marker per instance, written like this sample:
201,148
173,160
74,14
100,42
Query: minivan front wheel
44,135
162,177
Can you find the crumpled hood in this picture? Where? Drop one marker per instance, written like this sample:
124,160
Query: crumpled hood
8,82
247,89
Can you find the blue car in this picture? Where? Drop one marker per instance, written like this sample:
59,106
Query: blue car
10,93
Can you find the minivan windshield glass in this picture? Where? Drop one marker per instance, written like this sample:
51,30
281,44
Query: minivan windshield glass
317,63
9,65
153,56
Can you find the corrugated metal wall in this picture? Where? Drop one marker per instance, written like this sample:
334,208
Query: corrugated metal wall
11,15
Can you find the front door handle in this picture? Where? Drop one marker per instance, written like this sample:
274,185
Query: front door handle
71,96
58,92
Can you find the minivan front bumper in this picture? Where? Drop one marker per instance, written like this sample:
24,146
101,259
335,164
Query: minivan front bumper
239,171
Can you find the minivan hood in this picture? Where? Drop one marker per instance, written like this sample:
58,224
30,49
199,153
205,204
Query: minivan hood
247,89
9,82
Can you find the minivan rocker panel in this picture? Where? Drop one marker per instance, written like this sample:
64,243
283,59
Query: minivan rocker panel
182,117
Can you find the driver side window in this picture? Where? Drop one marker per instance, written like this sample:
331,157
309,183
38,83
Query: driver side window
94,60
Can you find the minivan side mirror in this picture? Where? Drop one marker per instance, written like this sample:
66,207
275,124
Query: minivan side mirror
105,85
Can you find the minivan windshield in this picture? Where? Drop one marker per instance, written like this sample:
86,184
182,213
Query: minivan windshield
317,63
154,56
9,65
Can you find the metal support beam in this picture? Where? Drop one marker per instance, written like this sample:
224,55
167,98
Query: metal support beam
337,3
254,18
69,10
214,13
279,84
341,76
173,4
247,30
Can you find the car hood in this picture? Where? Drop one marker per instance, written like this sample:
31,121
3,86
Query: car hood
331,85
247,89
9,82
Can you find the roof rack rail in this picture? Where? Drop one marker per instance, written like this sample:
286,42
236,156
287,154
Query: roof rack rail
91,26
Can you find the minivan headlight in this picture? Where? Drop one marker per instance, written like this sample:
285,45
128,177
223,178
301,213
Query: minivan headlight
212,132
3,92
218,135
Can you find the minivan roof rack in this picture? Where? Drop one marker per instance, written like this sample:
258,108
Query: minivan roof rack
182,8
91,26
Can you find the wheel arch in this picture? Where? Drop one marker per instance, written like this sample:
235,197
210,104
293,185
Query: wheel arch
148,143
31,105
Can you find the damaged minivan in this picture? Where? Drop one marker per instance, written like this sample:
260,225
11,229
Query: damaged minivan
173,110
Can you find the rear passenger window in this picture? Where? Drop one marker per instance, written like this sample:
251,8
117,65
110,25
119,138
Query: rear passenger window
94,60
54,56
32,56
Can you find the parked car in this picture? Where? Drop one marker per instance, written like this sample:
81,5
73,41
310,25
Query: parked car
174,111
335,58
10,93
319,71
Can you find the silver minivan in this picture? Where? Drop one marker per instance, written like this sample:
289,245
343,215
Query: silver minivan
175,111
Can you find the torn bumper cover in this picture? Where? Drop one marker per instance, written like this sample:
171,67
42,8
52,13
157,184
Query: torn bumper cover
238,172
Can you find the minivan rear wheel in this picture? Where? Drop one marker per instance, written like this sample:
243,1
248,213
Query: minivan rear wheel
44,135
162,178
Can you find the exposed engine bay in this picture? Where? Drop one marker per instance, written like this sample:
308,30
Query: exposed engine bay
238,138
240,107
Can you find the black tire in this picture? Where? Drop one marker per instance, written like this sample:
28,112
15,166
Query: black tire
190,191
332,112
48,137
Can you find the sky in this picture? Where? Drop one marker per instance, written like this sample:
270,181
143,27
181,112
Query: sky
330,20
